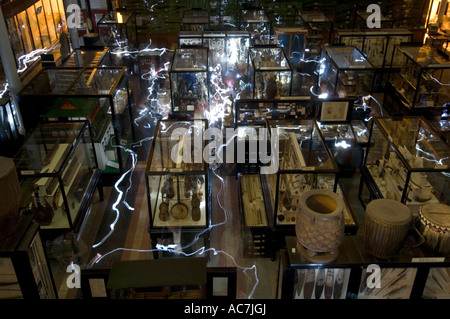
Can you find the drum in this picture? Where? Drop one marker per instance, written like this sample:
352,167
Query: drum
386,224
320,224
434,225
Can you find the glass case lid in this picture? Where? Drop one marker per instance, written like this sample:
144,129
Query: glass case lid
425,56
313,16
74,81
255,15
195,16
178,147
301,146
190,59
237,34
97,81
269,59
47,147
417,142
348,57
118,17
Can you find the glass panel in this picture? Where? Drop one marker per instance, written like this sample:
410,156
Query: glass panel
34,26
49,18
56,16
24,30
15,38
42,24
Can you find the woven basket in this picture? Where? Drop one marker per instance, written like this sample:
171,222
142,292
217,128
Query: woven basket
320,221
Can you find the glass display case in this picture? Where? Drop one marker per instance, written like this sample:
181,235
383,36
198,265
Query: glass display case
190,39
100,95
423,80
258,24
58,174
25,270
255,112
406,161
195,19
9,127
293,41
304,163
377,45
319,29
189,81
344,72
272,72
257,239
178,179
414,274
118,29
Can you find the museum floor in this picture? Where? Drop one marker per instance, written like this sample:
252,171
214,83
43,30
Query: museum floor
257,277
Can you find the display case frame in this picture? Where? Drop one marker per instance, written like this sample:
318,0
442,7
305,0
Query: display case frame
306,172
402,168
23,258
272,72
58,172
190,69
421,83
125,24
107,85
319,30
166,178
257,22
195,19
344,71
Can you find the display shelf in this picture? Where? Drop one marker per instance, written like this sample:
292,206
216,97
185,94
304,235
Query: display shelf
404,276
58,172
406,161
195,19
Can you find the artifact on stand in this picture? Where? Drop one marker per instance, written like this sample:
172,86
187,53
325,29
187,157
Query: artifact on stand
386,225
320,225
42,213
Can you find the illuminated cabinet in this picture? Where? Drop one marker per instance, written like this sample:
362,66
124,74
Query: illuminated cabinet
178,183
189,81
24,268
406,161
